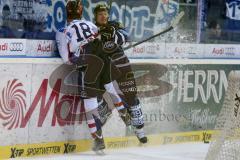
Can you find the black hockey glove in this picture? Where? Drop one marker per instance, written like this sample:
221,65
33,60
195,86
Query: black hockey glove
116,25
107,33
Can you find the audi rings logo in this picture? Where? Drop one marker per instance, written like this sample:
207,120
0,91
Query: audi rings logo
16,46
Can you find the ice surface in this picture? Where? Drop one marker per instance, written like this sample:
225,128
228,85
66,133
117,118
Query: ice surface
187,151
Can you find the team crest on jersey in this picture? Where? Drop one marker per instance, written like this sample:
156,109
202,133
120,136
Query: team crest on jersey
110,47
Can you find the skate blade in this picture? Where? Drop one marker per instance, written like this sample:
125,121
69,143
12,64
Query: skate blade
142,144
100,152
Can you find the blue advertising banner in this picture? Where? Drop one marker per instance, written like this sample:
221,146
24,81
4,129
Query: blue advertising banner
39,19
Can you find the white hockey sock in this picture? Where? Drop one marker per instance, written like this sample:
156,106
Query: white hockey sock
114,96
91,105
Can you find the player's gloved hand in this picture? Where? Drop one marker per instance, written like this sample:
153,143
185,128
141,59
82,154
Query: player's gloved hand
73,59
107,33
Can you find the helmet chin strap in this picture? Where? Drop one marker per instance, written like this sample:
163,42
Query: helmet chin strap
81,14
102,24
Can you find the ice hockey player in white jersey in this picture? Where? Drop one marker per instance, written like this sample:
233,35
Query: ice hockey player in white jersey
233,14
232,22
77,33
77,44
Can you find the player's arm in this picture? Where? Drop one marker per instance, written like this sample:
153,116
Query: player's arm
114,32
62,45
121,37
68,50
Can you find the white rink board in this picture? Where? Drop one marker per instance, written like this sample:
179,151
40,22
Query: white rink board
32,76
27,48
31,73
23,74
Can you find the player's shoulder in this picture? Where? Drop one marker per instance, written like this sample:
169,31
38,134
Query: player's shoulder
74,22
60,33
90,23
62,30
79,21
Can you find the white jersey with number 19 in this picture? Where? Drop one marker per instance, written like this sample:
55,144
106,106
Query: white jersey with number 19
73,37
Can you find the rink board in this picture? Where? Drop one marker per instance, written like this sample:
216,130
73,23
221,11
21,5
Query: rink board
16,48
33,128
78,146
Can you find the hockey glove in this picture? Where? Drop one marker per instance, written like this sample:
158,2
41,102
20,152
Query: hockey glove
107,33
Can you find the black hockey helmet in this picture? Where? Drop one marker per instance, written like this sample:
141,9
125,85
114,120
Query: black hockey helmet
72,9
99,8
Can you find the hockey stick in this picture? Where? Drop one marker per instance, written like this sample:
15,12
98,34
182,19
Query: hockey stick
110,5
174,23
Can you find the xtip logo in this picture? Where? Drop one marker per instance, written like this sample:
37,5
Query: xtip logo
12,104
69,148
206,137
237,104
16,152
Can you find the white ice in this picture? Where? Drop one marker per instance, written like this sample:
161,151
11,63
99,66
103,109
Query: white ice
187,151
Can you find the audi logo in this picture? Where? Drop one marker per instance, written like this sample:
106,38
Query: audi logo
16,46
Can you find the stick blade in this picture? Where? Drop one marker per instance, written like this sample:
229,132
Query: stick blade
177,19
